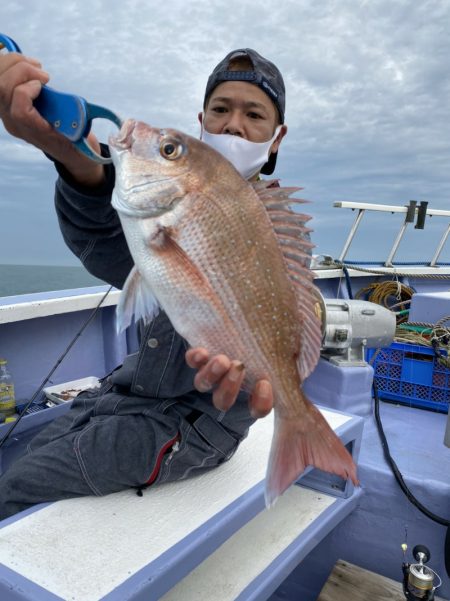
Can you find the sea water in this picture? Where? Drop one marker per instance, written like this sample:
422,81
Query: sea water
25,279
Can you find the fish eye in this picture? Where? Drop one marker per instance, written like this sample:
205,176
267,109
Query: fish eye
170,149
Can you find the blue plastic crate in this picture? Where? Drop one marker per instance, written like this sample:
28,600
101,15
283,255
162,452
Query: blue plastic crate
412,375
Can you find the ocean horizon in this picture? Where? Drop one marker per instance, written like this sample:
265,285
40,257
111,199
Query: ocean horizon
25,279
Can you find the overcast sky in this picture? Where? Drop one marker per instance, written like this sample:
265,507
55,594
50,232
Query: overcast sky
367,101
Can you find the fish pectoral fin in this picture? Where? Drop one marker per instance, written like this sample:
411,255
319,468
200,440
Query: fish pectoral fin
136,299
164,242
297,445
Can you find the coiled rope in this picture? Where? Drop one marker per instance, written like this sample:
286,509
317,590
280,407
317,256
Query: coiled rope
389,294
396,296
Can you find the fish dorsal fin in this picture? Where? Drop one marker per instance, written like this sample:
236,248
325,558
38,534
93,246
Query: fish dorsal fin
295,244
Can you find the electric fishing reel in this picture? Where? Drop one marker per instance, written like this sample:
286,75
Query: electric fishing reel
418,579
350,326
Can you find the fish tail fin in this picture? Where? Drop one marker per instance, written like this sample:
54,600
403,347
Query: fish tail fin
298,443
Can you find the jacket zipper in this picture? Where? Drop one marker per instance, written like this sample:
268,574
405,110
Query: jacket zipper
174,443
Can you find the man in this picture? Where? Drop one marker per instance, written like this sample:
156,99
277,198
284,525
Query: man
154,418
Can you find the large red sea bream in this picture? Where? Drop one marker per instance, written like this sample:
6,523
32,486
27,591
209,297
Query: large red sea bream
226,260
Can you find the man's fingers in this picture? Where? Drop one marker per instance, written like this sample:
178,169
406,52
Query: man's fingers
22,109
33,61
19,86
225,378
196,357
261,400
23,96
10,59
212,372
228,388
21,81
17,71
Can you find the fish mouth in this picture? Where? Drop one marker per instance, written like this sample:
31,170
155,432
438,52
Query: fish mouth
123,207
123,140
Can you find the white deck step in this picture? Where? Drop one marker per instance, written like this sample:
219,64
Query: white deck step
126,547
244,557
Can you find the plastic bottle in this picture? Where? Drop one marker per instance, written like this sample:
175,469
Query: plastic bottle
7,398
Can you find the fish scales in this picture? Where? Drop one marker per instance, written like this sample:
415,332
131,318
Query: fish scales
238,282
262,297
207,252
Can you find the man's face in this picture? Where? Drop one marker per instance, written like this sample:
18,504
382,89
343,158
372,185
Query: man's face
242,109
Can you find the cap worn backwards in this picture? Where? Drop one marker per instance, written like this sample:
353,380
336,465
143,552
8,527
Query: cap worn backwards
265,75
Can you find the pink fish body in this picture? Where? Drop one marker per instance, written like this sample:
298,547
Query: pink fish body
226,261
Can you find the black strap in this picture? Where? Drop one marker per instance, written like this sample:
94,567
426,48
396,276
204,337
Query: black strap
193,416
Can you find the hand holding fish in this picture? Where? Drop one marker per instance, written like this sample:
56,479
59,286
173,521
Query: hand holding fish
226,378
21,80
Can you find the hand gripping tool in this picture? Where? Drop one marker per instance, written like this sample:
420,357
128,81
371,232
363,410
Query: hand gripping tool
69,114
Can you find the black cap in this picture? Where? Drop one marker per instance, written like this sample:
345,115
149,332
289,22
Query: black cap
265,75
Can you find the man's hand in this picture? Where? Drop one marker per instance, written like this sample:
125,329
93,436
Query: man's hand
225,377
21,80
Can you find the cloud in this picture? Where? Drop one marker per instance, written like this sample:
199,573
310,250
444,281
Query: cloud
17,152
367,90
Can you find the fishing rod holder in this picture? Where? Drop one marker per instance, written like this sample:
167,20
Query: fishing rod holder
413,212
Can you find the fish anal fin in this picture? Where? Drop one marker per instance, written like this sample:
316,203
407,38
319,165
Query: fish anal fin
295,447
137,299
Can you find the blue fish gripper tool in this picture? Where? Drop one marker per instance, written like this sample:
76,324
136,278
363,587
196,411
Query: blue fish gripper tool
69,114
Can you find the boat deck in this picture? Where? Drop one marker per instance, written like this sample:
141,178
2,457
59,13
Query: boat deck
348,581
371,537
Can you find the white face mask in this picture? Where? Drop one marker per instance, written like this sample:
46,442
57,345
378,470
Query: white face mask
247,157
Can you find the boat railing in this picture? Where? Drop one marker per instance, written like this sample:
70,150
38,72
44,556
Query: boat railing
38,329
413,212
44,304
